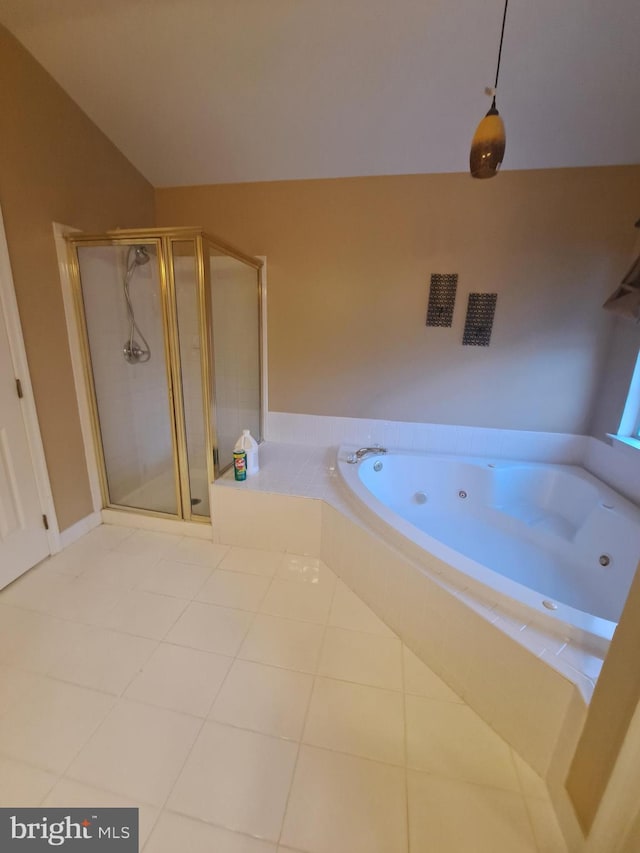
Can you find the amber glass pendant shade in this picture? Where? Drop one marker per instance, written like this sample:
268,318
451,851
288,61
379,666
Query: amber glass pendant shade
487,145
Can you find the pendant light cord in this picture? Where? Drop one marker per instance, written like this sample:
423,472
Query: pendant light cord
504,18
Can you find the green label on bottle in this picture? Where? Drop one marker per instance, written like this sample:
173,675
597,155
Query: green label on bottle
240,464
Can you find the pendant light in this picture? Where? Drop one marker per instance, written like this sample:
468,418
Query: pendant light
488,143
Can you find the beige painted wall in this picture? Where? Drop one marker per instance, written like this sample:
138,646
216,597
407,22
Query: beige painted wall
55,165
617,369
349,262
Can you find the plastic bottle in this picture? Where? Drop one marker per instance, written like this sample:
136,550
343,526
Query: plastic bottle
239,465
249,446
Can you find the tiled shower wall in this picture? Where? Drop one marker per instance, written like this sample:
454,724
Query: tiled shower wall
620,468
435,438
189,331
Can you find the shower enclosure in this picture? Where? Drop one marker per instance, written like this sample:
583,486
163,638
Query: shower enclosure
170,326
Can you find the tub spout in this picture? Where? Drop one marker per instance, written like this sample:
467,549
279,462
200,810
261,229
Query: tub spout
365,451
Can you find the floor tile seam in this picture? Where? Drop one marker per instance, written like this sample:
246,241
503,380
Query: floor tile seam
145,530
125,594
271,615
323,674
166,642
394,690
181,769
336,751
530,821
159,806
140,668
323,623
54,615
407,815
151,828
516,770
58,680
313,672
146,704
278,579
436,775
140,588
442,701
305,720
109,629
35,572
187,598
299,740
165,558
72,683
91,734
233,658
204,581
205,822
203,721
66,777
94,624
231,607
175,621
129,633
248,610
39,767
368,633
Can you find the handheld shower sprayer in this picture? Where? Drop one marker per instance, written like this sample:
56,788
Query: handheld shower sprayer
134,353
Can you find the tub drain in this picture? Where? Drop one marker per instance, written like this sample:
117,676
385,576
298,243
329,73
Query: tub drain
462,494
604,559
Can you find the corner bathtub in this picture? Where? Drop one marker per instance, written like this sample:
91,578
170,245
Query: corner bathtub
550,539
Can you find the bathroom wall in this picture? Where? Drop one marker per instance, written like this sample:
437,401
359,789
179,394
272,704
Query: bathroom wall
349,265
55,165
617,369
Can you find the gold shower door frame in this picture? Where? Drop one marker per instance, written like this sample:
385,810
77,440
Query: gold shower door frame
163,240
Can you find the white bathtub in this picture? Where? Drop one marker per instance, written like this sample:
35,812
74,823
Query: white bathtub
535,535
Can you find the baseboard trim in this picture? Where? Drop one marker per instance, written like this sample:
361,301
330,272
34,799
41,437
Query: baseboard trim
195,529
79,529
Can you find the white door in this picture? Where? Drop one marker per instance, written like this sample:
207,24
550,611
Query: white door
23,538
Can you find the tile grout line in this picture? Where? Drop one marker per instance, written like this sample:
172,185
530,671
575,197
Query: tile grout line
204,721
115,700
512,754
406,747
306,714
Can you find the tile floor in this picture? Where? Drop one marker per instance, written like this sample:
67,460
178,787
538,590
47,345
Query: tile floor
248,702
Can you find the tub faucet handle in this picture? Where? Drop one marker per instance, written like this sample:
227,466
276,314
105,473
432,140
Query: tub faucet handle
365,451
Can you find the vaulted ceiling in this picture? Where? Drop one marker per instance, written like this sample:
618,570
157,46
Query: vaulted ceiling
210,91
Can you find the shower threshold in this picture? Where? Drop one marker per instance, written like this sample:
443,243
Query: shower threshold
159,494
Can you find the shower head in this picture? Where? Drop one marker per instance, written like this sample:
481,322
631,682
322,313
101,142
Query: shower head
141,256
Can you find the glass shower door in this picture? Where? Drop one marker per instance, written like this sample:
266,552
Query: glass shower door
235,314
190,331
124,315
